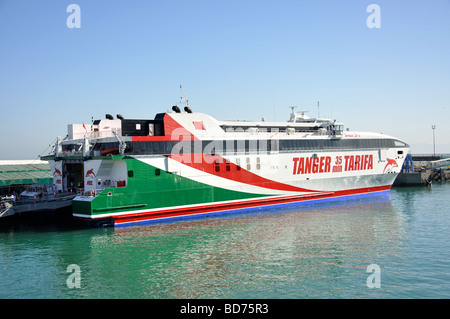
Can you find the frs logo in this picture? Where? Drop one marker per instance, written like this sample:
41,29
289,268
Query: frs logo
390,162
57,172
90,172
198,125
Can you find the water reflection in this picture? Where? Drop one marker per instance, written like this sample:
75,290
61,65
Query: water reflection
320,251
286,253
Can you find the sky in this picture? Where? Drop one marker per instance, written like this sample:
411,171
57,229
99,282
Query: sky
235,59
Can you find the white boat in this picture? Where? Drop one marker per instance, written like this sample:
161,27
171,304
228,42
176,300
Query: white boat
184,164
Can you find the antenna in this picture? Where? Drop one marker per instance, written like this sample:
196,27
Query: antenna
318,109
186,102
294,107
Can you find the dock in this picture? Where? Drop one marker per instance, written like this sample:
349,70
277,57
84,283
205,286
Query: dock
413,179
423,170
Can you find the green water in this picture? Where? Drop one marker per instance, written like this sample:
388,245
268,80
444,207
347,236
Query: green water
309,252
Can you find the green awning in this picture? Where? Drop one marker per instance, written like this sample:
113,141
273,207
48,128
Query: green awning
24,172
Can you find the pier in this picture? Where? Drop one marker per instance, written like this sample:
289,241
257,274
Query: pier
423,170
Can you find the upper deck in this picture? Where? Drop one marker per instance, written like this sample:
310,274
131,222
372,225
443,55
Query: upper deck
169,132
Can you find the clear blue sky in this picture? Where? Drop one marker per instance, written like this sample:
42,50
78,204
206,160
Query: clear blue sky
235,60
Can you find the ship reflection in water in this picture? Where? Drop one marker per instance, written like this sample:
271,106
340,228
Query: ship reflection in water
289,253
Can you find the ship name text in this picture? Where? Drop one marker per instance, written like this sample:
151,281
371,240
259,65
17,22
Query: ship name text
325,164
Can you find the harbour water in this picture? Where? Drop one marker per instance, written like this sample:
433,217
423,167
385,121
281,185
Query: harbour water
321,251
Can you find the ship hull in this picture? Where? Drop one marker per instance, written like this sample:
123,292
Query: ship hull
140,217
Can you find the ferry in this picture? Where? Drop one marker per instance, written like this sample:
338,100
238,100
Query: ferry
183,164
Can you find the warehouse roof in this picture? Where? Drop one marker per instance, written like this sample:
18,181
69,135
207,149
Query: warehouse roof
21,172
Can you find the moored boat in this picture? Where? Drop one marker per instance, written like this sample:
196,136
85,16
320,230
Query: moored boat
184,164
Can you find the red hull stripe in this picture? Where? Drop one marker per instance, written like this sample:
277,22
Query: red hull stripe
213,208
217,207
218,166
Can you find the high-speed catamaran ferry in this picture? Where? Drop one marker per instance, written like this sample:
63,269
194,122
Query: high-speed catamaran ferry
184,164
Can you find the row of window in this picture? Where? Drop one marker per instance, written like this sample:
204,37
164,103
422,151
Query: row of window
245,146
131,173
290,145
280,129
255,146
246,164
